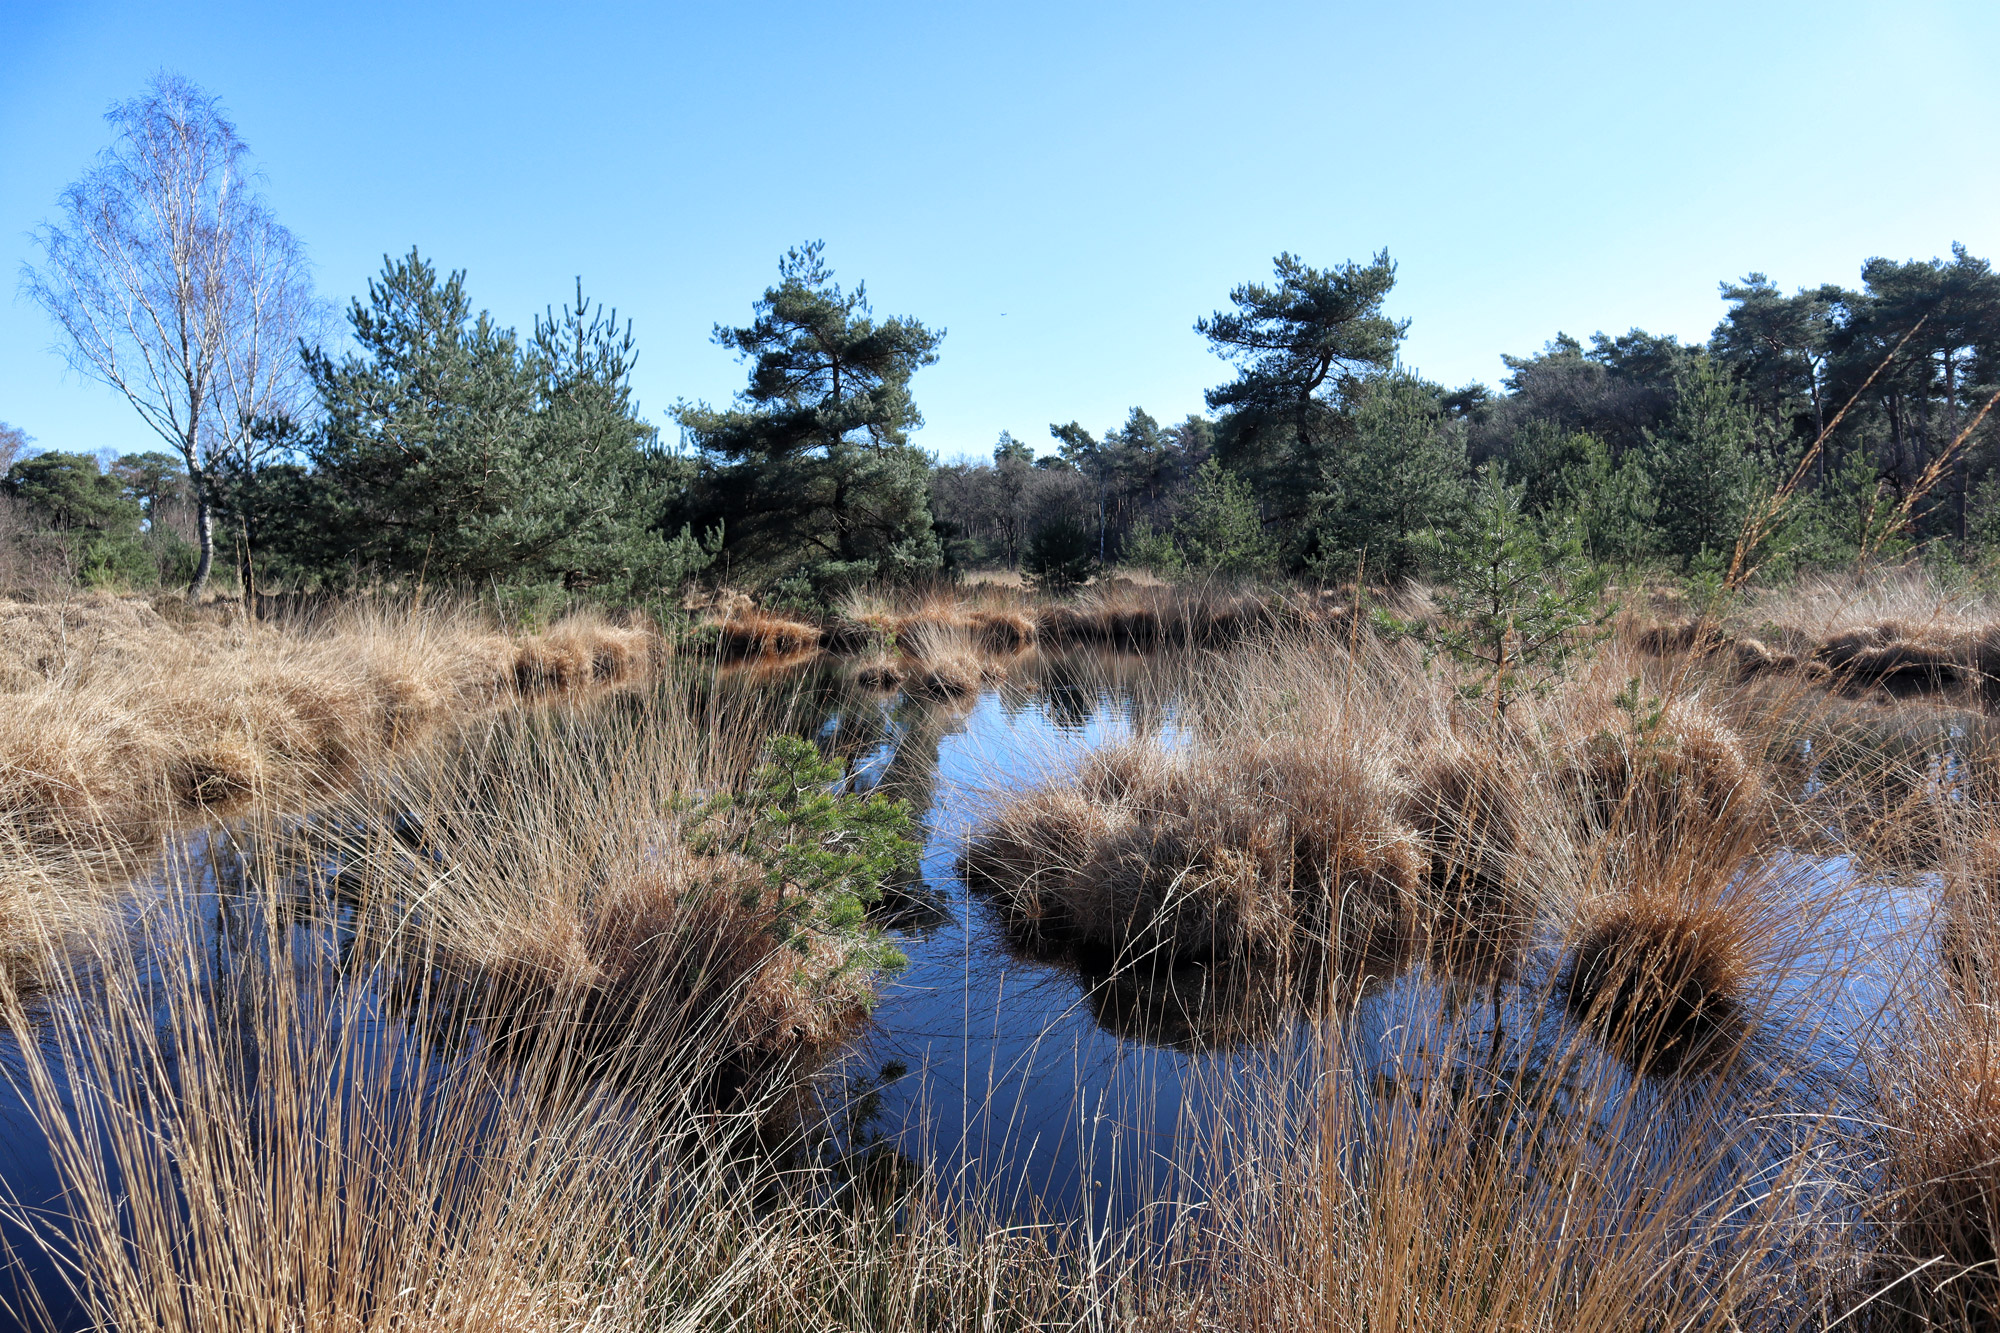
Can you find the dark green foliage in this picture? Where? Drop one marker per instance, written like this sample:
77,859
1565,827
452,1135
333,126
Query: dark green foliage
1153,550
287,523
1061,554
151,478
1705,461
1617,389
1399,474
1517,602
93,522
1568,475
1220,530
1614,505
812,475
1779,347
827,852
71,492
453,452
1931,392
1135,470
1303,345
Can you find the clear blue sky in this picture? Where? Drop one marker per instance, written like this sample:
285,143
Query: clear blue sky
1064,187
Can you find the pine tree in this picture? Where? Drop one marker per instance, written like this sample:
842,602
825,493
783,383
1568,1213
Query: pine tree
456,453
1304,346
1517,602
1704,463
813,473
1220,530
1401,474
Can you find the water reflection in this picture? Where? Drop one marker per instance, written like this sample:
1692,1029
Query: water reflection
1079,1081
1085,1085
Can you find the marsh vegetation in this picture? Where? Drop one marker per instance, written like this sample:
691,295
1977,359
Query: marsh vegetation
1260,978
1377,856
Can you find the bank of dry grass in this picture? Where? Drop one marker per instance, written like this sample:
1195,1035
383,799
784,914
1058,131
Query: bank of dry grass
125,721
559,880
1883,634
1334,808
998,621
1333,814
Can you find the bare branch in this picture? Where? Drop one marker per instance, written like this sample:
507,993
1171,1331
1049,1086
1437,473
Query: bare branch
174,284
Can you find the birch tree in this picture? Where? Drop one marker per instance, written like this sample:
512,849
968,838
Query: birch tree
174,285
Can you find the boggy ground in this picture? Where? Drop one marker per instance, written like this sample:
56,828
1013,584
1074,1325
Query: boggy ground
944,641
1332,814
1334,819
124,720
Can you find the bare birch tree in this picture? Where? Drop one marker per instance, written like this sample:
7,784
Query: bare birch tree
177,287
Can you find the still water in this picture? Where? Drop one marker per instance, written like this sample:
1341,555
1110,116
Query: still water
1065,1089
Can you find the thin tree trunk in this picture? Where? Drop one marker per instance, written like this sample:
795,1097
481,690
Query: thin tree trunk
247,570
204,522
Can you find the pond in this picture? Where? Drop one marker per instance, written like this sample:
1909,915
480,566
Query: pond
1065,1087
1069,1089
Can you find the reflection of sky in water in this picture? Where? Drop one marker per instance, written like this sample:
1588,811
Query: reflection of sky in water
1009,1074
1012,1082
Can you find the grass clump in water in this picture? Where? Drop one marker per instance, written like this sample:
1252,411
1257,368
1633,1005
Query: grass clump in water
570,884
1661,981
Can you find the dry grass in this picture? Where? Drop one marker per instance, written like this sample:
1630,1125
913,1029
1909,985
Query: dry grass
1140,618
367,1178
567,895
1240,855
748,633
133,725
942,660
1001,620
1277,838
582,977
1469,806
1890,634
1938,1207
1661,979
1665,784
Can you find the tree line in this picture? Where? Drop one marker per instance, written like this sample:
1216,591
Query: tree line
1833,423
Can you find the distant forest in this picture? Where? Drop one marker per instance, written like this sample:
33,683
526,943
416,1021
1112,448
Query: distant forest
446,448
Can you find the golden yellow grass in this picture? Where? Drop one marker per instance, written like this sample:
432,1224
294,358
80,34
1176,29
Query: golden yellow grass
1897,631
1331,799
125,724
1001,620
558,864
524,1185
749,633
1938,1207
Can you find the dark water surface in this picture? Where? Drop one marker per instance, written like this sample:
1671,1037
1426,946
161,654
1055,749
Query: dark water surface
1066,1089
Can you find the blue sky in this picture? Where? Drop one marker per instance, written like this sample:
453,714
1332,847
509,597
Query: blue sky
1064,187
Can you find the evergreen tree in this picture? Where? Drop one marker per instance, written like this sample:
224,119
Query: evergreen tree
1517,601
1543,459
1402,473
1220,530
813,473
1616,389
451,451
1705,464
1061,554
1614,504
1304,346
1932,389
151,477
1780,346
95,521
